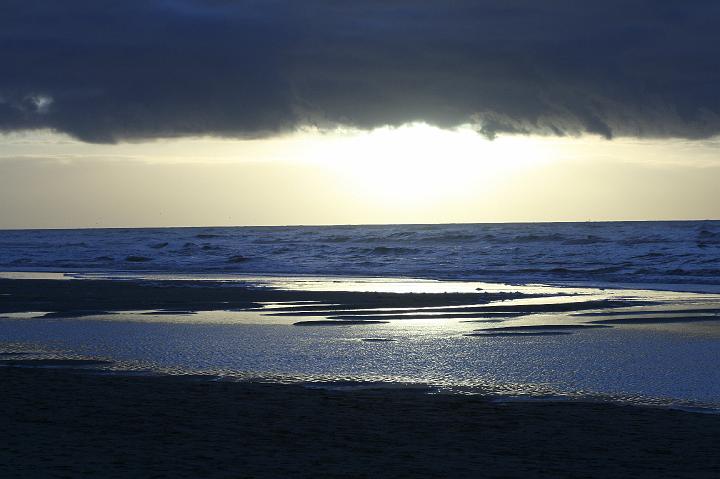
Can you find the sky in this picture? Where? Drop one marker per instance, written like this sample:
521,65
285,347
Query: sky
240,112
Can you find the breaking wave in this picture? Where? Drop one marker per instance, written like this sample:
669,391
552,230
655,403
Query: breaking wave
685,252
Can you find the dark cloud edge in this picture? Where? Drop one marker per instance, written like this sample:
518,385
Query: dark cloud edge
106,72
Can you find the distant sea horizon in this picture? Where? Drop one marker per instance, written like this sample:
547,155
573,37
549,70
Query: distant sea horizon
301,225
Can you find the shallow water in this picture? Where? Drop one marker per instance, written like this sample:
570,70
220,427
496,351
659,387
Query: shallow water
666,364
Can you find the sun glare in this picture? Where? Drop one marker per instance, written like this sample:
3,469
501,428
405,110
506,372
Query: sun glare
417,164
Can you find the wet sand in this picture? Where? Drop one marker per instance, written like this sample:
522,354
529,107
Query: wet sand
66,299
59,422
63,423
77,298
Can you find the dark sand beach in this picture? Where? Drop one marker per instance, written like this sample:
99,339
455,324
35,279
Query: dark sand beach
62,423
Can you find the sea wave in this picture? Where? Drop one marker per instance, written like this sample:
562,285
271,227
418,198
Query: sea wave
616,252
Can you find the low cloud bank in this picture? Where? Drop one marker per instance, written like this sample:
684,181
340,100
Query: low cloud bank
133,69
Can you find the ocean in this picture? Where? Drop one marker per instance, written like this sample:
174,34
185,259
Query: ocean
681,255
620,311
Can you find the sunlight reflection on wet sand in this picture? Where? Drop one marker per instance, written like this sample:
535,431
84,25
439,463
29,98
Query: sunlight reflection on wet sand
521,352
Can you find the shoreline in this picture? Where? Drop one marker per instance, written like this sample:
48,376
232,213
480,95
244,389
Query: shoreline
53,274
122,426
345,333
91,421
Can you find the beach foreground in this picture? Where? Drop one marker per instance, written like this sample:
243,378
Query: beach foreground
67,423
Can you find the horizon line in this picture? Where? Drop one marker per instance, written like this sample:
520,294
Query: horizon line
339,225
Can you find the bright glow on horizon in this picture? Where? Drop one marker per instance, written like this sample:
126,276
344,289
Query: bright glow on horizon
411,174
419,164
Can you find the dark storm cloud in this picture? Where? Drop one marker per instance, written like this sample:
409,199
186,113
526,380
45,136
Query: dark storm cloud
105,71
